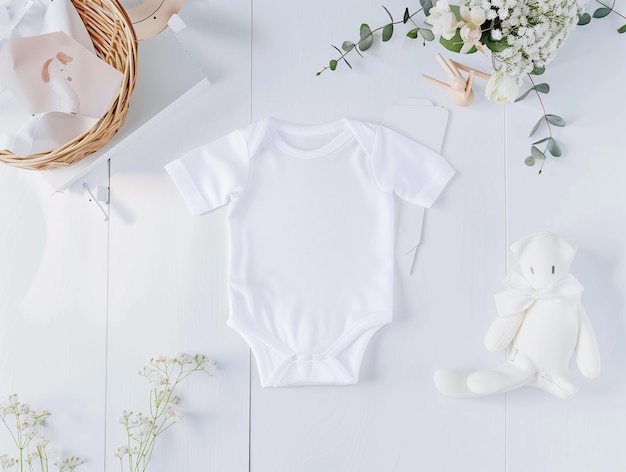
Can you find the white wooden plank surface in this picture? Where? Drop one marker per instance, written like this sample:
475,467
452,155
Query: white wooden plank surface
167,282
581,197
53,257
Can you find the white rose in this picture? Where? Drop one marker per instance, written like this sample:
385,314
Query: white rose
442,20
502,88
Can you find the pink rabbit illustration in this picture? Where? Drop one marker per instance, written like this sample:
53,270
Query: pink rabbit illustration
54,73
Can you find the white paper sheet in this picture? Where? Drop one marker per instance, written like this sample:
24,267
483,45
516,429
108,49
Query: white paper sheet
418,119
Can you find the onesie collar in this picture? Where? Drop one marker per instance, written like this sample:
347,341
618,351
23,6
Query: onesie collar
340,128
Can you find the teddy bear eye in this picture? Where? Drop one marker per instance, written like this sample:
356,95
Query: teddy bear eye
532,271
553,269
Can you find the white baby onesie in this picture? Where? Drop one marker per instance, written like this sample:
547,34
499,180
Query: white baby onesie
311,219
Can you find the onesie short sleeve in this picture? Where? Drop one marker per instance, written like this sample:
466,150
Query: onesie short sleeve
409,169
209,175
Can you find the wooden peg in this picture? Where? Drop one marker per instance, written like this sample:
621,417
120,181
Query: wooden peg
436,82
461,88
465,68
446,67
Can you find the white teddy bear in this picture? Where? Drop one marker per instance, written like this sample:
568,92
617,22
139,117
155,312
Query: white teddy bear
542,323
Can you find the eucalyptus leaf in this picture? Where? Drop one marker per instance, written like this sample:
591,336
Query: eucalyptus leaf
622,29
366,37
413,33
496,46
347,46
538,70
407,15
536,127
387,32
537,153
426,5
524,95
584,19
556,120
529,161
455,43
388,13
542,141
333,64
428,35
602,12
554,148
543,88
456,9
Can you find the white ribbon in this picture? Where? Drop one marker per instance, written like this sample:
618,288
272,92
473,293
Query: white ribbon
520,295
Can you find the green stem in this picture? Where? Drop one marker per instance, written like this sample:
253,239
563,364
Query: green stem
147,447
41,465
130,455
10,431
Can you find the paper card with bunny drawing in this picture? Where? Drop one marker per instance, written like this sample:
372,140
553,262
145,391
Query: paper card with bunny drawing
53,72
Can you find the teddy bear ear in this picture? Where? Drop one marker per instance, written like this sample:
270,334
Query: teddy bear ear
566,250
518,247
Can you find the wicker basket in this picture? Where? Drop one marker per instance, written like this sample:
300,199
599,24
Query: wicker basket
114,39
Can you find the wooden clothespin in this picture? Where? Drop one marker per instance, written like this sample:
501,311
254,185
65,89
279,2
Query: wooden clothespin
460,87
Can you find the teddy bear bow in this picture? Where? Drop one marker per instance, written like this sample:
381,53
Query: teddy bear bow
520,295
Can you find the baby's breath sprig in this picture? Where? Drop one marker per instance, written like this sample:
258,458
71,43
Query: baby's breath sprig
142,430
25,427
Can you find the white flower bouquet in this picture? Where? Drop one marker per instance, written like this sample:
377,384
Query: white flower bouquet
523,36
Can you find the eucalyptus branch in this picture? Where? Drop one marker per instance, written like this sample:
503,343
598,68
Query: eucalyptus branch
551,145
367,38
530,77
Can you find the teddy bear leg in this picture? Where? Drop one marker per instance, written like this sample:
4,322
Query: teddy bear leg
452,383
506,377
558,385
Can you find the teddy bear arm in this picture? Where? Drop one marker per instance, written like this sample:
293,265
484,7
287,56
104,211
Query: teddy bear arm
502,331
587,352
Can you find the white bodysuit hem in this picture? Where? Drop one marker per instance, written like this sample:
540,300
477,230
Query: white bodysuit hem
339,364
